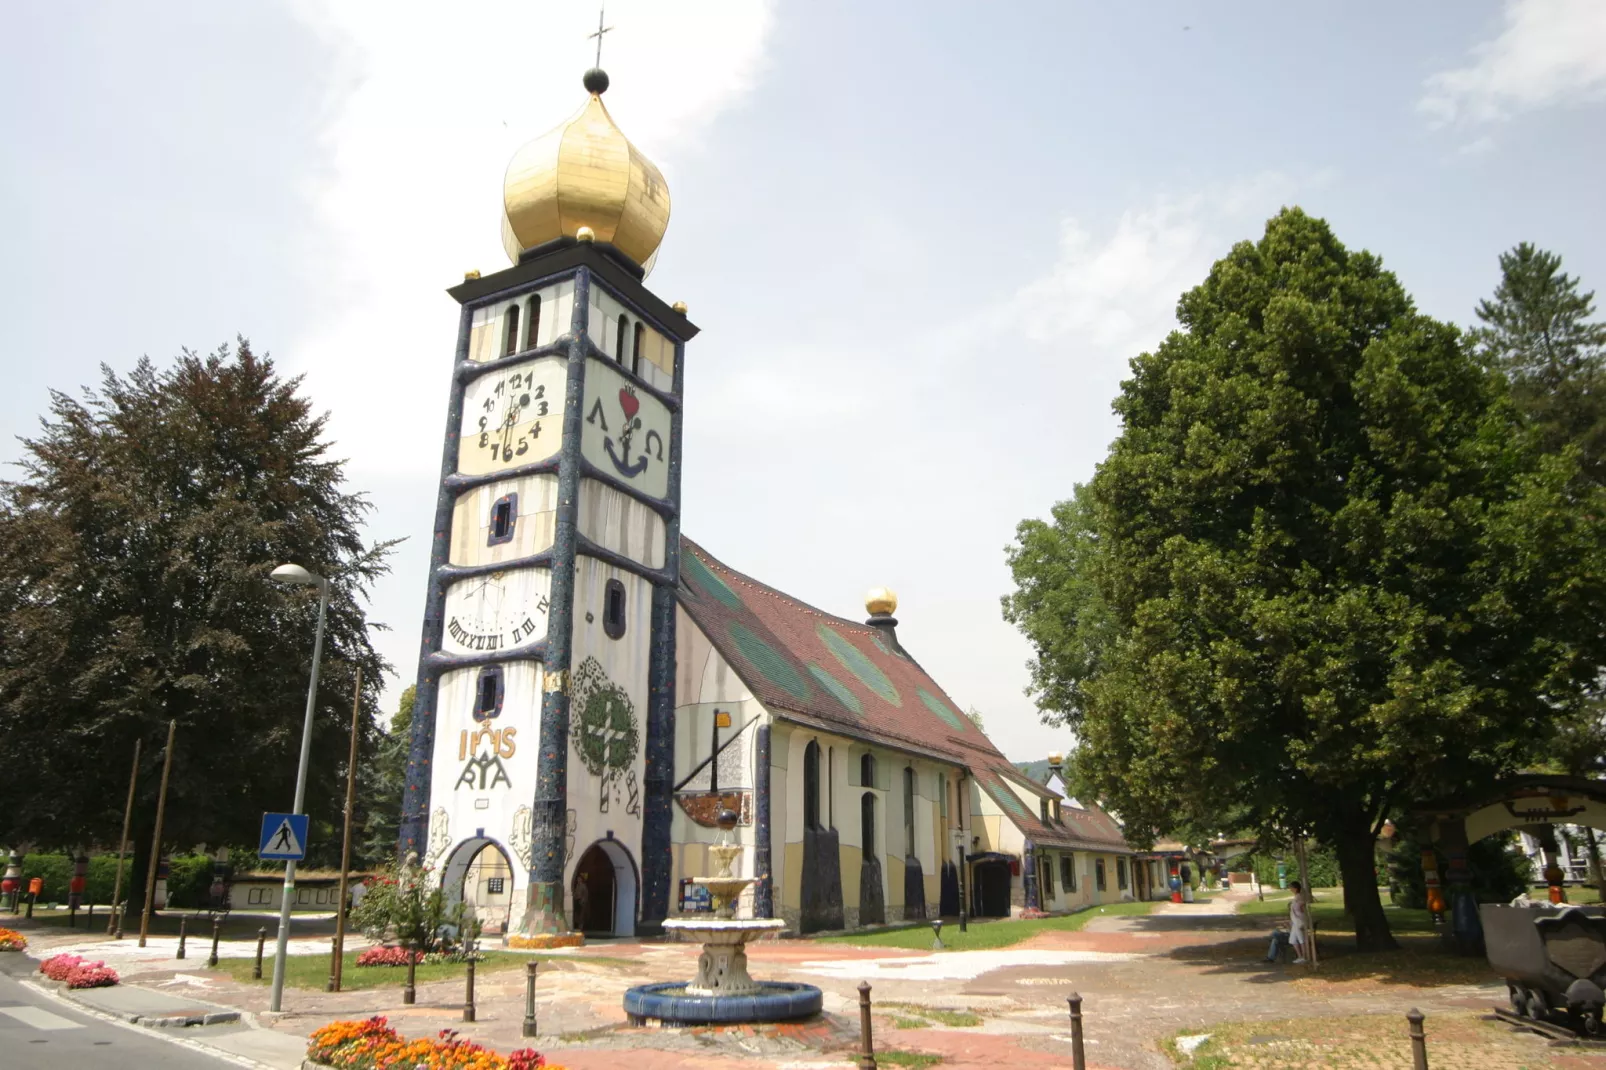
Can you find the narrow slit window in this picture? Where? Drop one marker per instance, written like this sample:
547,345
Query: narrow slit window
1047,869
909,811
613,609
1068,872
504,516
488,694
532,329
867,770
619,339
811,785
1098,874
1120,873
635,347
510,335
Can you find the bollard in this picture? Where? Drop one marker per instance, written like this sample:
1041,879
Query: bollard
121,908
1419,1040
936,931
866,1044
529,998
468,997
31,898
1078,1058
183,924
217,924
334,957
72,915
410,991
89,922
262,938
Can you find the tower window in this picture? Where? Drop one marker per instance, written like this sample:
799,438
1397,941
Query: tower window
619,339
488,693
533,328
635,347
613,609
510,333
504,514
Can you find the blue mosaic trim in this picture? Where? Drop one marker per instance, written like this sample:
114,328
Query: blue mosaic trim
781,1001
415,799
444,663
657,862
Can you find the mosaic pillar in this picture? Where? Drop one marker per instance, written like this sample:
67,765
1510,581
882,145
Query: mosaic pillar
415,799
764,890
1028,875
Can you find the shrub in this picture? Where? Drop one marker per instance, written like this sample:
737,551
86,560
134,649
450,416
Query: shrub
372,1044
387,956
11,940
405,905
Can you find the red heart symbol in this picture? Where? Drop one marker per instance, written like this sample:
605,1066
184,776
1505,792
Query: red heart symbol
630,403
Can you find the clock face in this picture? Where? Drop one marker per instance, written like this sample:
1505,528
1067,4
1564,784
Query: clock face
626,430
497,611
512,417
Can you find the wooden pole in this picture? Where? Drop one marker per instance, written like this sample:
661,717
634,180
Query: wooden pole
122,844
336,964
1078,1058
156,839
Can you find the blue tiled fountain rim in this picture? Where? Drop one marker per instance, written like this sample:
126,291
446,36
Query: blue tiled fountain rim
783,1001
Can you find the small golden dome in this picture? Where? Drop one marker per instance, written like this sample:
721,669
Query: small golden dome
881,602
585,174
585,234
1055,759
679,306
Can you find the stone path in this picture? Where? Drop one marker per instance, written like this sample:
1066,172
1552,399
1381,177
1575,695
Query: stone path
1187,968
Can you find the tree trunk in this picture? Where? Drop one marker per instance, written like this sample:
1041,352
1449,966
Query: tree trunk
1356,849
1593,847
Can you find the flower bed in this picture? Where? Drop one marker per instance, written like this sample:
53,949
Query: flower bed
11,940
387,956
76,972
373,1045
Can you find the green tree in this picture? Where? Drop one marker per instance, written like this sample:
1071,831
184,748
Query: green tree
1536,331
134,589
1322,570
384,783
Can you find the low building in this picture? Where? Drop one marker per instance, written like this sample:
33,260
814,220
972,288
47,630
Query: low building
1081,857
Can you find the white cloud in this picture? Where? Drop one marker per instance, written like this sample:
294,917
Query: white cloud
1549,52
432,106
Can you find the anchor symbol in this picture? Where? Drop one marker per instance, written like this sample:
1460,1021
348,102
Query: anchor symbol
629,404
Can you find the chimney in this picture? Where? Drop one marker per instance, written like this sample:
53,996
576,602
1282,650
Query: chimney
881,603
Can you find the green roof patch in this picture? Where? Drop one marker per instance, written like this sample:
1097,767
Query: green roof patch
704,577
837,688
769,663
1008,800
859,664
940,708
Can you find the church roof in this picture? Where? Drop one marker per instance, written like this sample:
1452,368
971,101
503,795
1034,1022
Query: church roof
841,676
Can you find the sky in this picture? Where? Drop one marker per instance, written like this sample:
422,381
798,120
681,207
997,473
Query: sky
923,239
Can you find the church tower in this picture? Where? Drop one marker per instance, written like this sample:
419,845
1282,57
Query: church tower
542,735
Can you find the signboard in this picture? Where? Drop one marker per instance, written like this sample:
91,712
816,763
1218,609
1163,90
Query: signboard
284,837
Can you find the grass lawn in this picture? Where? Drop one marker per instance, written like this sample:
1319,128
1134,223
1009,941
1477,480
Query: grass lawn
1327,911
312,971
983,935
1369,1042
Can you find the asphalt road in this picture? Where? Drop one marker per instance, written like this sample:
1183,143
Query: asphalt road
37,1031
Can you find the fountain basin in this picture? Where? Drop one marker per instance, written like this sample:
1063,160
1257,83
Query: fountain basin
670,1004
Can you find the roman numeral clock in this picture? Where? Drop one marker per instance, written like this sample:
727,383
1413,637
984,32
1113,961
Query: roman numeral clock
542,724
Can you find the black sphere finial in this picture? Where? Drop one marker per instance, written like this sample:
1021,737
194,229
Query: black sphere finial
596,81
727,819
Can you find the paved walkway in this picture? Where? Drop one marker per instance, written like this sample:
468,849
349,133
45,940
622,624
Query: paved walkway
1187,968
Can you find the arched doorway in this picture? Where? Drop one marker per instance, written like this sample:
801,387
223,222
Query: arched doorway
479,873
603,891
991,888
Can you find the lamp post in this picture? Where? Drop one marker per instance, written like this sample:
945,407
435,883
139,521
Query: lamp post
295,574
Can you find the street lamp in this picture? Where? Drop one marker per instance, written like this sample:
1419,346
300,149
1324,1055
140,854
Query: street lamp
295,574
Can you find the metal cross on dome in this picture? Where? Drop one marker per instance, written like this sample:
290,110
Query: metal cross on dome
598,35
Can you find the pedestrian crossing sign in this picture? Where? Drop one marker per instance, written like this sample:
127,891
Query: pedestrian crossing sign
284,837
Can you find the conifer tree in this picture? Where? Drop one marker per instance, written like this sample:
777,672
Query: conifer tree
134,560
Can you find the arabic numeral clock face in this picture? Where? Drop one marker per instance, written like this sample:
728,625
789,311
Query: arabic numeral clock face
512,417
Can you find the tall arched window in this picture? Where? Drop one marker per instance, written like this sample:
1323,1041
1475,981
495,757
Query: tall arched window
635,347
867,823
908,811
532,329
619,339
510,334
867,769
811,785
830,787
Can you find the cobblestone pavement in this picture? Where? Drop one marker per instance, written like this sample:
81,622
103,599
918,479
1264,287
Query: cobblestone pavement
1195,968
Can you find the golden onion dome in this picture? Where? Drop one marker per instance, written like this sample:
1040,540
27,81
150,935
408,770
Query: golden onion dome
585,175
881,602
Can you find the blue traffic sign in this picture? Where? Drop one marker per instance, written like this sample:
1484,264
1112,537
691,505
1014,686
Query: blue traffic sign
284,837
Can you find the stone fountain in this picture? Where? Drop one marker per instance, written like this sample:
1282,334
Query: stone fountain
722,991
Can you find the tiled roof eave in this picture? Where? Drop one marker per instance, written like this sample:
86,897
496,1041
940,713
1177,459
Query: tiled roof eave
890,740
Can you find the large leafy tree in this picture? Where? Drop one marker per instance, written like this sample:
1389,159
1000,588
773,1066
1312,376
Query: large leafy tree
1323,572
134,589
1536,330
